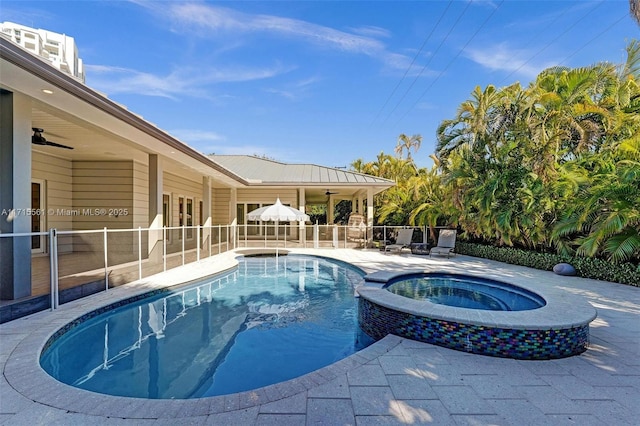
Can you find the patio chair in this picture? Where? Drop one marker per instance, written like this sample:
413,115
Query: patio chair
446,243
403,240
356,228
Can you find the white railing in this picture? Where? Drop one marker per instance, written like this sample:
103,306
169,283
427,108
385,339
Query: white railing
112,257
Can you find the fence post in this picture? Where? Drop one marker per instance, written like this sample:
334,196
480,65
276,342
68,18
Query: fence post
384,237
164,248
182,245
106,260
316,235
53,267
210,240
139,252
219,239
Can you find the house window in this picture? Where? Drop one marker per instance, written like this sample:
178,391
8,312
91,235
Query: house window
189,217
240,218
166,210
180,215
253,226
180,211
37,220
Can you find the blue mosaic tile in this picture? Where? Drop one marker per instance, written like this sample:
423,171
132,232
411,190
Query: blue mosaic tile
378,321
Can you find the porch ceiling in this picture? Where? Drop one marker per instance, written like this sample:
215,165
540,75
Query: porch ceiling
89,144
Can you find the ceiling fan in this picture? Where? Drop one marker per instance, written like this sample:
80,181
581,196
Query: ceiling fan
38,139
330,193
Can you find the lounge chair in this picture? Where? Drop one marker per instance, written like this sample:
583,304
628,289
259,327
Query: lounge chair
446,243
403,240
356,228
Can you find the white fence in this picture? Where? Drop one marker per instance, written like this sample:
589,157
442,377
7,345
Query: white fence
81,262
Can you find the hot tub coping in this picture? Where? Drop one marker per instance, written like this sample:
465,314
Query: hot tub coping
562,310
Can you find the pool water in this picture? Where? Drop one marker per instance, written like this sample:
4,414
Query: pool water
466,292
271,320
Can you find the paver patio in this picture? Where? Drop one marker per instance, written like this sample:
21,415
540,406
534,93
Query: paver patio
394,381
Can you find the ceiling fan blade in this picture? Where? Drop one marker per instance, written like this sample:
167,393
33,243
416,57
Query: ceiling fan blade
57,145
38,139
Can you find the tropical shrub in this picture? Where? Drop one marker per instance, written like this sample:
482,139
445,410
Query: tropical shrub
594,268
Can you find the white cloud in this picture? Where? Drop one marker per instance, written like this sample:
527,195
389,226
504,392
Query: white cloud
179,82
501,57
294,90
192,135
287,94
371,31
222,19
207,21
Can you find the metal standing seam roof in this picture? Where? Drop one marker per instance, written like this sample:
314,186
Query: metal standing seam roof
265,171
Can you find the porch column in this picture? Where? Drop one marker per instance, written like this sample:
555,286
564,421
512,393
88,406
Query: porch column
233,211
156,219
302,232
330,210
206,211
15,195
233,214
369,214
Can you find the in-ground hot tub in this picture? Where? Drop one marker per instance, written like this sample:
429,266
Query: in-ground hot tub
556,325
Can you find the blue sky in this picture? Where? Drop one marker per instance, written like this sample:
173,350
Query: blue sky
320,82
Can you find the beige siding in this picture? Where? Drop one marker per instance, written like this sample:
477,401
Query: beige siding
100,188
220,206
140,195
57,176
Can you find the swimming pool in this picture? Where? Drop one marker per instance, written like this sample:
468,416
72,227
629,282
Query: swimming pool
270,320
465,292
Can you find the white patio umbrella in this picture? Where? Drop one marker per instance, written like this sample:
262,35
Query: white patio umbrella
277,212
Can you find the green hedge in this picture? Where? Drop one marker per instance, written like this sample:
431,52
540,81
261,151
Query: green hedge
599,269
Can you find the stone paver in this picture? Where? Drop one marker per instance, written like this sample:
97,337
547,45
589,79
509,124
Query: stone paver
367,375
330,412
394,382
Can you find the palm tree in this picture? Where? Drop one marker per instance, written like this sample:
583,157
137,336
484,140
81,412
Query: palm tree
631,68
472,125
359,165
634,7
435,207
408,143
607,220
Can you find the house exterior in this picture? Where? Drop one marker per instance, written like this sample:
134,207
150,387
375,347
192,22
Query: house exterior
125,173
